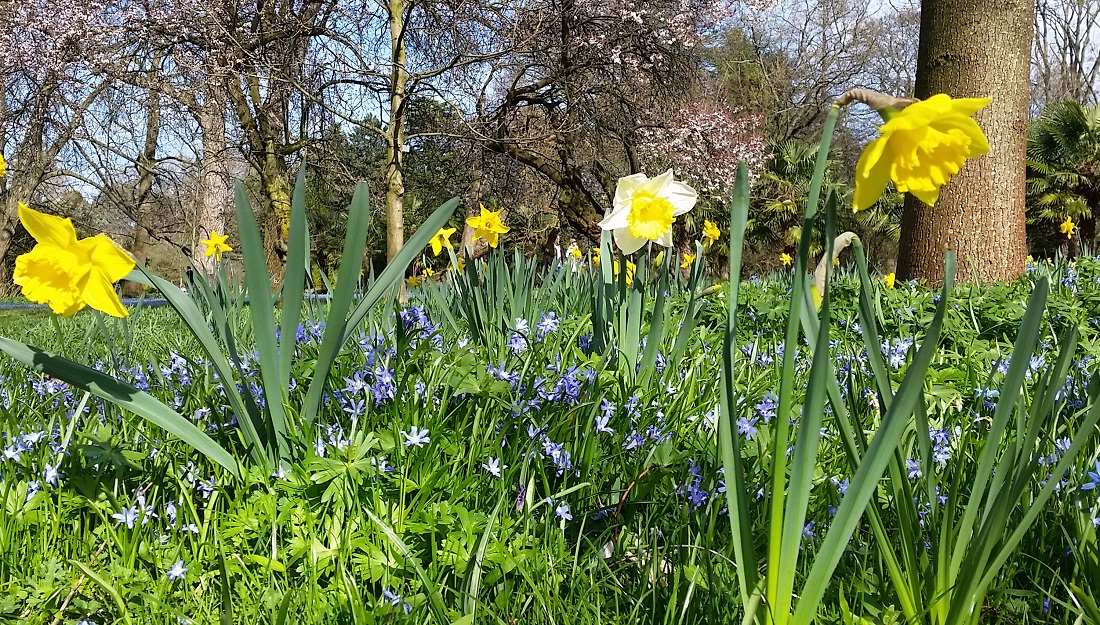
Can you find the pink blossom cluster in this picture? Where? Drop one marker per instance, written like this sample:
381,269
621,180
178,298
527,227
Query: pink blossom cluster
703,143
642,36
48,37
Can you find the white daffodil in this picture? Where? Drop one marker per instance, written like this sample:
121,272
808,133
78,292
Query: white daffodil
645,209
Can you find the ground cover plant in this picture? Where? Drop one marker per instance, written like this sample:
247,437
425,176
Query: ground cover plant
606,441
459,445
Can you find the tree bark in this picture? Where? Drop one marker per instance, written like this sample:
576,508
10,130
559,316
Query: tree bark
143,197
395,132
214,192
975,48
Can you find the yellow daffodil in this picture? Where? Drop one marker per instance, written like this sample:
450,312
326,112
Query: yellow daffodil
919,148
686,261
413,281
66,273
216,244
595,257
786,259
428,272
645,209
3,167
461,266
1068,227
659,258
442,239
631,269
889,280
488,226
710,233
576,252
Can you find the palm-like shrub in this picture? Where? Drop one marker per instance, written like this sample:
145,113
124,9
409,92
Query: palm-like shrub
780,193
1063,170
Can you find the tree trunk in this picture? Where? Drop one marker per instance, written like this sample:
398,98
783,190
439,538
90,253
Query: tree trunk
579,207
143,203
395,204
27,170
395,139
214,191
975,48
277,191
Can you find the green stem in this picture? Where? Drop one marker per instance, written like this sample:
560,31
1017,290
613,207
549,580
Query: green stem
778,600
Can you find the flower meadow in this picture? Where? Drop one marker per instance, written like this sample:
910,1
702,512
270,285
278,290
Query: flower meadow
521,480
511,442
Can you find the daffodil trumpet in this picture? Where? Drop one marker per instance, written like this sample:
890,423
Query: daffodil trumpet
645,209
66,273
921,145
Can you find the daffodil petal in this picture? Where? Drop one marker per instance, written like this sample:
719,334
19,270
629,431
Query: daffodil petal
665,239
627,242
627,185
45,278
871,156
109,258
927,194
99,293
617,218
681,196
48,229
870,183
968,106
656,186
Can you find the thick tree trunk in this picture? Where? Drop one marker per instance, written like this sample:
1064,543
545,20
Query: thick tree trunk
579,208
975,48
214,193
395,206
19,189
143,196
277,193
27,170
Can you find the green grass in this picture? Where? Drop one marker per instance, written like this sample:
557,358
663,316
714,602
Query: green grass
649,539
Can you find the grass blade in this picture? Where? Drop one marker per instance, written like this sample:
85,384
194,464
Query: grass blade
261,308
351,266
879,454
729,445
122,395
297,268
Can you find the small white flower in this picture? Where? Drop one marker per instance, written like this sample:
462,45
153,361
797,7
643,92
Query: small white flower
177,571
562,510
417,437
129,516
494,466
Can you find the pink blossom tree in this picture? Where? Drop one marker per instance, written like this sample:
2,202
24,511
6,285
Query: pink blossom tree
55,59
703,142
612,87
